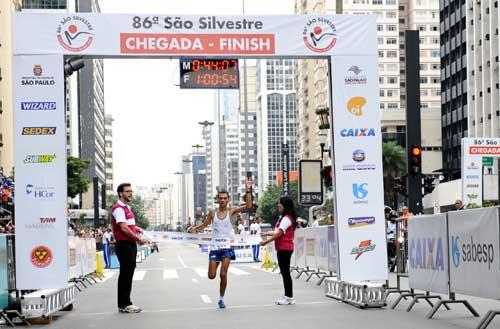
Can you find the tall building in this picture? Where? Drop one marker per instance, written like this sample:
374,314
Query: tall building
91,110
158,206
7,8
276,118
247,126
393,18
199,182
108,139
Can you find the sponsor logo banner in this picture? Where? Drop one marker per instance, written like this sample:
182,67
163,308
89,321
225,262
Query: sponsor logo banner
355,77
38,106
357,132
41,256
40,158
360,221
38,78
39,131
320,34
363,247
356,105
40,192
75,33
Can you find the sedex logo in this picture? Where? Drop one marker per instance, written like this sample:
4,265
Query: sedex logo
471,252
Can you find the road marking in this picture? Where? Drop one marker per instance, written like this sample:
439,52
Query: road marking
195,280
162,259
205,299
139,275
202,272
237,271
181,261
170,274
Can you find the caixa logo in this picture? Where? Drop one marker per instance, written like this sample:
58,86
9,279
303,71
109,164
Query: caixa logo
471,252
426,253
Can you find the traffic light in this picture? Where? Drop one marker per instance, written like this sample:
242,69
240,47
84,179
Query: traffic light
415,160
327,176
428,184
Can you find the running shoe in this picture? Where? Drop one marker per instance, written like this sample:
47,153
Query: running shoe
221,304
285,301
130,309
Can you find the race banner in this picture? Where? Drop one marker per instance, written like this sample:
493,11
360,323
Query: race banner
357,147
160,35
204,239
428,253
40,162
474,247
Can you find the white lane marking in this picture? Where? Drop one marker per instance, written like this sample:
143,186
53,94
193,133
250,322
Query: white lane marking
162,259
108,275
139,275
237,271
202,272
205,299
181,261
170,274
195,280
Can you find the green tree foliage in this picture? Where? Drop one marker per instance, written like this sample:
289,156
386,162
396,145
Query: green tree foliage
394,163
268,209
137,206
77,182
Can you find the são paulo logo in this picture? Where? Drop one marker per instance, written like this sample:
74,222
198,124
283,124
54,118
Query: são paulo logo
39,78
354,76
319,34
41,256
74,33
355,105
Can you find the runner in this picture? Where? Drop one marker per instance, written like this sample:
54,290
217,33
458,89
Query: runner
222,230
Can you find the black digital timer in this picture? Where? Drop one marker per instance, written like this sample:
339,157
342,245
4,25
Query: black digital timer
209,73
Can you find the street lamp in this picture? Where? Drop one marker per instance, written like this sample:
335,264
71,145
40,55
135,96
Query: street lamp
197,147
324,117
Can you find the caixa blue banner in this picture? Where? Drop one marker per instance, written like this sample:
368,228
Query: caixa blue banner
4,280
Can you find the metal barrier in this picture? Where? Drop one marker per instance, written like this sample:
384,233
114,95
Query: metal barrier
43,303
361,294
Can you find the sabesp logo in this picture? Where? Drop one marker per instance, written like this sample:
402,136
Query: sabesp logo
364,246
357,132
360,192
355,105
74,33
41,256
320,35
426,253
470,252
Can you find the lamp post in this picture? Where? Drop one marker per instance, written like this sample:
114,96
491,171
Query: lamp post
324,117
197,147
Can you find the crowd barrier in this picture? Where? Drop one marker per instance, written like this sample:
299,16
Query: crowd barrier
452,253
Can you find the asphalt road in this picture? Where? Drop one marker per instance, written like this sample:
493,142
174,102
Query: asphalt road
173,289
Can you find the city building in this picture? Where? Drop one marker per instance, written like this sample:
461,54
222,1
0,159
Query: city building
393,18
247,125
158,206
7,8
108,139
199,181
276,118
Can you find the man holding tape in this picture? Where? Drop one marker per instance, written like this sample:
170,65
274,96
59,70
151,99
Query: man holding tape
223,232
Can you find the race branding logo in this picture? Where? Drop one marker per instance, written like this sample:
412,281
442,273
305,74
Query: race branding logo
358,156
355,77
360,221
39,130
38,78
41,256
320,35
38,106
426,253
355,105
74,33
360,193
40,158
472,166
40,192
364,246
357,132
471,252
45,223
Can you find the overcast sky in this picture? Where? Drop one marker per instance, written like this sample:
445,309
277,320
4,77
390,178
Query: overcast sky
155,122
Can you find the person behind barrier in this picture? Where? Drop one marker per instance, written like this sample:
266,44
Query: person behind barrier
106,241
315,222
255,230
127,236
329,220
222,230
459,205
283,236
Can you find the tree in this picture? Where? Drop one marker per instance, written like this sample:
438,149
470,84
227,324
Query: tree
77,182
394,164
137,205
267,202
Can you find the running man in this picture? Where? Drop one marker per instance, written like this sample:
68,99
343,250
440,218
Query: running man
222,230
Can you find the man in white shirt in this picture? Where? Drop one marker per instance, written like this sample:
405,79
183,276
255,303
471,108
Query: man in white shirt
241,227
255,229
315,222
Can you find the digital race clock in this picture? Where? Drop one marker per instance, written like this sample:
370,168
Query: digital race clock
209,73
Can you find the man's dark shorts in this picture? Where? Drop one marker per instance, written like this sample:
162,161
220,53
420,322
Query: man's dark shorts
217,254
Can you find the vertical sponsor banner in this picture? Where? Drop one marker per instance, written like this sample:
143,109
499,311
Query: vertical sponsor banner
472,170
310,236
474,252
428,253
321,247
40,164
300,248
332,249
357,145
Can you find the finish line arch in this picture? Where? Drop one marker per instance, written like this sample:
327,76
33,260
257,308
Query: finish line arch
41,41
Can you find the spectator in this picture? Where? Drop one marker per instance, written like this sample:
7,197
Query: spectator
71,229
241,227
329,220
459,205
106,241
406,214
315,222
